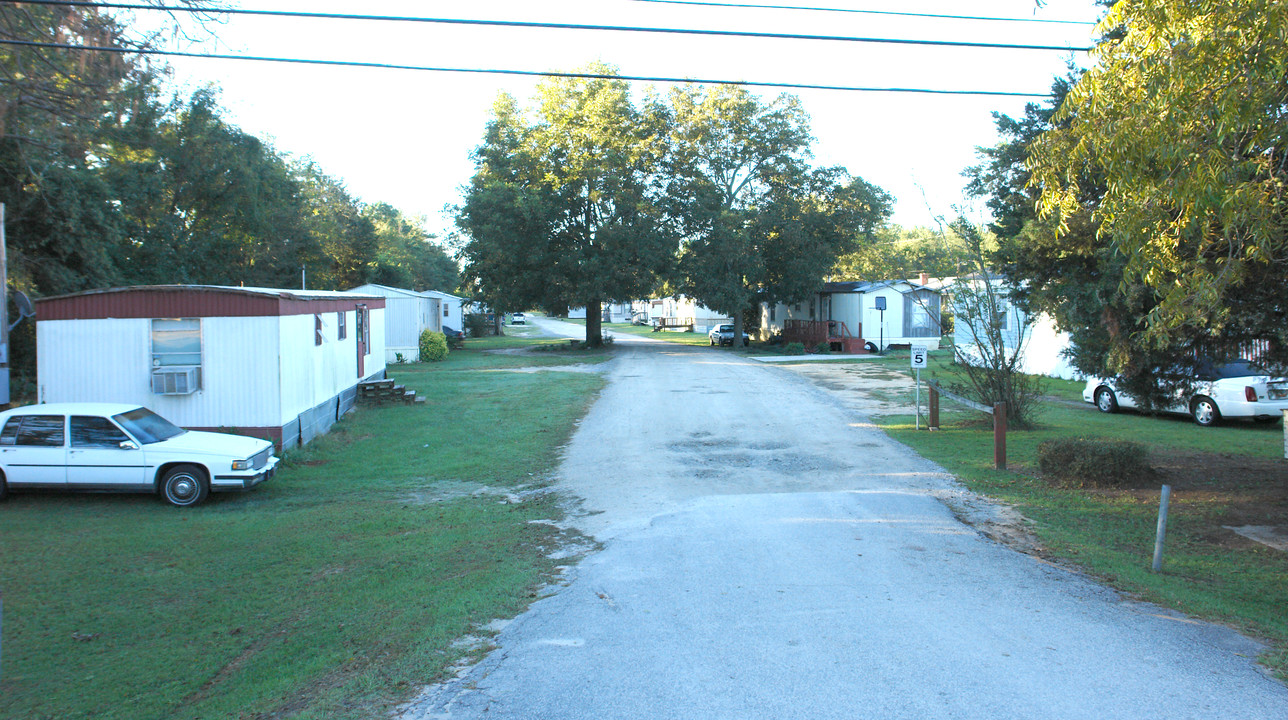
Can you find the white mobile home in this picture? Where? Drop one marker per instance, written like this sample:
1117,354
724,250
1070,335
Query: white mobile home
679,309
407,314
1038,342
451,309
612,312
278,364
881,314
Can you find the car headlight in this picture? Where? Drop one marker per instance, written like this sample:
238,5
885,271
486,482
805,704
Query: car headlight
241,464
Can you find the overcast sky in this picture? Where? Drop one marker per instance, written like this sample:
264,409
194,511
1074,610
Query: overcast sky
404,137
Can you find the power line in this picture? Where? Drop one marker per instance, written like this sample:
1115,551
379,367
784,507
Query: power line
528,73
869,12
554,26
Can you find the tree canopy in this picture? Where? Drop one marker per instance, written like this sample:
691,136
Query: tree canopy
707,192
107,180
1181,125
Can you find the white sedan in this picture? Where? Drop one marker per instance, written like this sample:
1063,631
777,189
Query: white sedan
125,448
1233,390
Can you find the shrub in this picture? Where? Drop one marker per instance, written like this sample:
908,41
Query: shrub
433,346
794,348
823,348
476,325
1098,463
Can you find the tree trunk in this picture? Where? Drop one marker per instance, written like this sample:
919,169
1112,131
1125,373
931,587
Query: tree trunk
498,320
737,329
594,318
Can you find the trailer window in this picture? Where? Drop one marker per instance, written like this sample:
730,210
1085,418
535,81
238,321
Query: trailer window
176,342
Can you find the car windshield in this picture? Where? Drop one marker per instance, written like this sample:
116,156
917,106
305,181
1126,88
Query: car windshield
147,426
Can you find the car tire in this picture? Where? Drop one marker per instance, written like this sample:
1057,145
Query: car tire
185,486
4,488
1205,412
1106,401
746,342
713,342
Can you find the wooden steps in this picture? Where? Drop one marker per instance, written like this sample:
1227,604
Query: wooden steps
380,392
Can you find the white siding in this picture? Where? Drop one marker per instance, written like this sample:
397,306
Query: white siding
110,361
449,311
312,374
407,315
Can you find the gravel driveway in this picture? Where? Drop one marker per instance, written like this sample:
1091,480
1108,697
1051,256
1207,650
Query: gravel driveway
769,554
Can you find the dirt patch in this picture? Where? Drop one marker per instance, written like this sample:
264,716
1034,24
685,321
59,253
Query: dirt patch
576,368
865,388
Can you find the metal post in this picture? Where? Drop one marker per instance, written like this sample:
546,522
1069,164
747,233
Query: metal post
917,423
1163,501
4,314
999,436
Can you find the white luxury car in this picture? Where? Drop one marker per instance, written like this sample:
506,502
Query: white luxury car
1233,390
126,448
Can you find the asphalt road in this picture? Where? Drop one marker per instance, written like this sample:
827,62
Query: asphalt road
769,554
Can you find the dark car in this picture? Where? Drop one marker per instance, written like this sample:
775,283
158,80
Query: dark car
455,338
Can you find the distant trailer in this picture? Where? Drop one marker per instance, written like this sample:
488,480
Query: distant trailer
277,364
407,314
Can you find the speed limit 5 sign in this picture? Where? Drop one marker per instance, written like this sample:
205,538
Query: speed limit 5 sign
919,355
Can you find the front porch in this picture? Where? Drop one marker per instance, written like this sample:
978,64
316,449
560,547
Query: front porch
835,333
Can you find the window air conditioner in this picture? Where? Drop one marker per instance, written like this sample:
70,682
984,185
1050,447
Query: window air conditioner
174,381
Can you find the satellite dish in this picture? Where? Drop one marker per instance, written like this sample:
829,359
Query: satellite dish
23,302
25,309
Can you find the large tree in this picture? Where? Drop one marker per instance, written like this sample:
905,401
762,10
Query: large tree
757,223
1182,122
562,207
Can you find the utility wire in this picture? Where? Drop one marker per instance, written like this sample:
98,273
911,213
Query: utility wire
528,73
552,26
869,12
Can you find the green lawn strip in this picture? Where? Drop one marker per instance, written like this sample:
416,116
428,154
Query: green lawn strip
1111,535
333,591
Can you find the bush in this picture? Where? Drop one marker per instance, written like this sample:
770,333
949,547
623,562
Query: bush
1099,463
476,325
433,346
794,348
823,348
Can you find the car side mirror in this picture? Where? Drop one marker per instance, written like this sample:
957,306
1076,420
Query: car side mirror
128,445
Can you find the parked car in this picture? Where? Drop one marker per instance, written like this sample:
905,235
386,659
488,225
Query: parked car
723,335
518,319
455,338
124,448
1233,390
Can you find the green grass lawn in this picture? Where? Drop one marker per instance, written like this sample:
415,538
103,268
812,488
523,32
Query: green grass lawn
1208,571
333,591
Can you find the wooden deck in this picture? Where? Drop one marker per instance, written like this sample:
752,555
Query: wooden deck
811,333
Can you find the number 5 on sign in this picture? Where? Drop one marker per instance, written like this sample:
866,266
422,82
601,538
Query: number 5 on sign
919,356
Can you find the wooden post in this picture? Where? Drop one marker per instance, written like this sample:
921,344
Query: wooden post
933,423
999,436
1164,500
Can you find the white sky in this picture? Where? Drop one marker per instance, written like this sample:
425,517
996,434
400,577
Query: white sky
404,137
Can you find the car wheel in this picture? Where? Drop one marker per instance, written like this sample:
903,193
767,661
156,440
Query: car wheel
1205,411
713,342
4,489
184,486
1106,401
746,342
